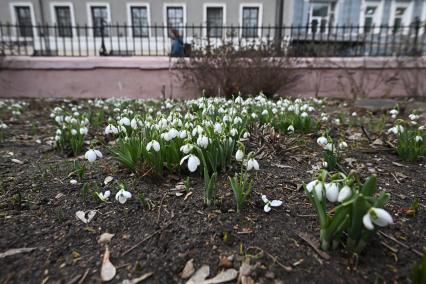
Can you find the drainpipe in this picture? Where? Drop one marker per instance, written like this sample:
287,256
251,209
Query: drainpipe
280,16
44,28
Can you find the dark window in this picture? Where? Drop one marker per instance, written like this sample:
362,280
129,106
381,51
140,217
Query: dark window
250,21
63,19
23,20
140,21
175,19
214,21
370,11
399,14
99,18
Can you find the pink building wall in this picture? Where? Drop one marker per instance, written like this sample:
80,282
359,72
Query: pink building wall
151,77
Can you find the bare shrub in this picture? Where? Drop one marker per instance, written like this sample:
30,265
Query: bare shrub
227,70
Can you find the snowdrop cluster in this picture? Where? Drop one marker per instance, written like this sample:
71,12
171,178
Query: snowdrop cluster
357,210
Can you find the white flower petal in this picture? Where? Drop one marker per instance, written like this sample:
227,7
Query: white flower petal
367,222
265,199
266,208
344,193
276,203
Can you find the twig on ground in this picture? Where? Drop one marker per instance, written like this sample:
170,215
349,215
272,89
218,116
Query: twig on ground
84,277
366,133
274,258
306,238
159,207
401,244
145,239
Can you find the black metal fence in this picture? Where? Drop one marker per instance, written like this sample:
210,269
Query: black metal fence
154,40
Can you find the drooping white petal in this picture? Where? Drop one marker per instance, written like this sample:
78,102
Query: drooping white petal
310,186
267,208
331,191
90,155
239,155
367,222
276,203
107,194
193,163
383,217
344,193
318,190
122,199
184,159
127,194
265,199
98,153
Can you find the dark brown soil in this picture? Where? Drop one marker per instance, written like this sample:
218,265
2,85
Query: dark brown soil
38,206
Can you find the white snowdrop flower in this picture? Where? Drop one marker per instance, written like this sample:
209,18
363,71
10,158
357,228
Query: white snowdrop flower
269,204
397,129
246,135
111,129
57,138
344,193
153,144
59,119
322,141
105,195
413,116
92,154
324,118
122,196
377,216
233,132
418,138
331,191
329,147
239,155
182,134
73,120
67,119
124,121
173,133
73,132
193,162
337,121
324,164
290,128
253,115
252,164
354,114
317,187
203,141
265,112
304,114
421,128
73,181
134,123
186,148
218,128
58,132
394,112
84,131
413,122
343,145
238,120
225,118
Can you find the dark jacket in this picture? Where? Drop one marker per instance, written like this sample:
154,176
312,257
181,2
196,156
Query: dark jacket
177,47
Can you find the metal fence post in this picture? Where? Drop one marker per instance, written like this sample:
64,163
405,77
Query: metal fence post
103,51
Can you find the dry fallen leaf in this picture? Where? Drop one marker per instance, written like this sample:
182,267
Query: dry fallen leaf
105,238
188,270
10,252
222,277
224,262
187,195
108,270
108,179
81,215
200,275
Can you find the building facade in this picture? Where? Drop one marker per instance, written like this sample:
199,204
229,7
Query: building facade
366,13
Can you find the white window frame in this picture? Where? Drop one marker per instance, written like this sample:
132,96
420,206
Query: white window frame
89,6
260,17
311,10
423,19
12,6
214,5
409,13
168,5
129,16
377,19
54,18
